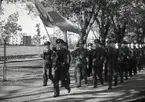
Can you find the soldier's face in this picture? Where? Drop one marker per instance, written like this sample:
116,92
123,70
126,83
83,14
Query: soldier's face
59,45
109,44
64,46
81,45
48,46
122,45
89,47
96,45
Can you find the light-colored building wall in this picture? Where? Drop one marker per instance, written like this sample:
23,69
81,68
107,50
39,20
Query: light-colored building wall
16,40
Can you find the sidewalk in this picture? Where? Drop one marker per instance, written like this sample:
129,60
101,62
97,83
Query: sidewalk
35,92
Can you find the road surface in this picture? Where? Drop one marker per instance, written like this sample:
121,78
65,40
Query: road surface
24,84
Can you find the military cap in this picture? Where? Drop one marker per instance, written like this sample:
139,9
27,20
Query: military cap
47,43
110,41
124,42
59,41
97,41
134,42
65,44
80,42
90,44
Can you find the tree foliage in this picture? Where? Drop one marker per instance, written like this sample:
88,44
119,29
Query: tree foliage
10,27
112,18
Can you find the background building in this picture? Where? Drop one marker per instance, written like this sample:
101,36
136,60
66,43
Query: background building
16,40
26,40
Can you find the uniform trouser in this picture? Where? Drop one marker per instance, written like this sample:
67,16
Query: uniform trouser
139,64
130,67
89,71
60,75
105,72
97,70
123,68
80,72
111,71
67,73
47,73
134,66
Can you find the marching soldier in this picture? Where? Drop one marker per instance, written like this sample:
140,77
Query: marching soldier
90,54
47,67
139,58
60,72
81,55
123,54
134,59
111,58
98,60
68,60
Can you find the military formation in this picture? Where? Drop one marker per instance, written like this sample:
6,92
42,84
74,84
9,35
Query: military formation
109,65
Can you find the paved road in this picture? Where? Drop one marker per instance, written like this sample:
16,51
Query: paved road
25,85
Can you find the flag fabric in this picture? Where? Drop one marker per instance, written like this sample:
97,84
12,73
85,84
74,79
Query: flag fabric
53,18
46,19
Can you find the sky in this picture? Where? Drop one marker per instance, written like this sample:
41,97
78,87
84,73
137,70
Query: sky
28,22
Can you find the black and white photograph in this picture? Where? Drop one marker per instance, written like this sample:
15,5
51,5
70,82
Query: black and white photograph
72,50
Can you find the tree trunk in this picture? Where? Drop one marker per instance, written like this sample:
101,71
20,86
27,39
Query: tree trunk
87,27
0,4
104,32
4,67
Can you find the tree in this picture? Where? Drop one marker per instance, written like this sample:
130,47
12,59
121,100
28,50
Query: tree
38,36
81,11
120,19
0,3
8,28
138,23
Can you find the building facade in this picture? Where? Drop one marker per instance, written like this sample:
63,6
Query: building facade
16,40
27,40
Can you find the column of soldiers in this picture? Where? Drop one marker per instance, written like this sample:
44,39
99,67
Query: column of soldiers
109,64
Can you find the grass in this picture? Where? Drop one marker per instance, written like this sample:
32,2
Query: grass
21,50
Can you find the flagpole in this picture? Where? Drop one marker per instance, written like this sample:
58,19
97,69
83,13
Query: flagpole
48,34
65,36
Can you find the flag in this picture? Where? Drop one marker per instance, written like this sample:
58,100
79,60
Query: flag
53,18
46,19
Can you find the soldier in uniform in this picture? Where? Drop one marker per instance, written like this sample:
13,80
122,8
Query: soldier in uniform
141,61
98,60
68,60
47,67
81,56
139,58
134,59
90,53
111,58
60,71
123,64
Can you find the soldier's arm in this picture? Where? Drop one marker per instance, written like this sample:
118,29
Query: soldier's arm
93,56
52,55
55,57
87,56
74,53
43,55
68,58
